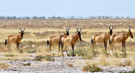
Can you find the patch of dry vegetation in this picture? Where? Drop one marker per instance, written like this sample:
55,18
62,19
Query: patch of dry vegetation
92,68
3,65
43,58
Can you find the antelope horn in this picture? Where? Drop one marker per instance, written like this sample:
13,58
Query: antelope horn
80,29
77,30
21,29
68,29
129,27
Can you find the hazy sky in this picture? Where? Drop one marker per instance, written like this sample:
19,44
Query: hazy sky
66,8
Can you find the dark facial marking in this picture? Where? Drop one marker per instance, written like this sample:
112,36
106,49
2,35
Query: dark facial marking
131,34
67,32
79,33
111,31
22,32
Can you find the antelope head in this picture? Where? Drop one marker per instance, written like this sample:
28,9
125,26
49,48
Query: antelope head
111,30
79,33
67,30
129,32
21,32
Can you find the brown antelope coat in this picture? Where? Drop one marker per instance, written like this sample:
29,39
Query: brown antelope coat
15,39
70,41
120,38
56,40
101,38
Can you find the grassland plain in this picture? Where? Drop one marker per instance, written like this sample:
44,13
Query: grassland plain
37,32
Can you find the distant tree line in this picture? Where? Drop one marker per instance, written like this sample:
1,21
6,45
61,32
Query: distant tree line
59,17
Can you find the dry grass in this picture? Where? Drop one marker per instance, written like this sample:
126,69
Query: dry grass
3,65
92,68
38,31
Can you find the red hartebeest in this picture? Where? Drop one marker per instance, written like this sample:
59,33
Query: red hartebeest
101,38
15,39
56,40
120,38
70,41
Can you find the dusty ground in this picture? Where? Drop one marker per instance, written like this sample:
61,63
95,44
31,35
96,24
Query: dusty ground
60,65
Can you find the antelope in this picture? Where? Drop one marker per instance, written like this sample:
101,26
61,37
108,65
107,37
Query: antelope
15,39
120,38
56,40
101,38
70,40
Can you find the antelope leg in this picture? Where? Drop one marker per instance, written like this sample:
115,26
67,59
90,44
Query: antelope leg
66,51
62,49
105,44
73,50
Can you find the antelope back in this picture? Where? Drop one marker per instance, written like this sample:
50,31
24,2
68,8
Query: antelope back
55,39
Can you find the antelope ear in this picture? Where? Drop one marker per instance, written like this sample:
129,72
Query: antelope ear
129,27
23,29
68,29
19,32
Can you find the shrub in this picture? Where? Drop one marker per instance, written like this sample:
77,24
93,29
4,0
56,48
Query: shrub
124,54
85,52
26,64
92,68
40,58
116,54
10,55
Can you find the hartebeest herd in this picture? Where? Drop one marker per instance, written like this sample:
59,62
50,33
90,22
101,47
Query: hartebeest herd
65,40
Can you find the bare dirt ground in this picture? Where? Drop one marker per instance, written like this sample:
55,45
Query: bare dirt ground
60,65
57,66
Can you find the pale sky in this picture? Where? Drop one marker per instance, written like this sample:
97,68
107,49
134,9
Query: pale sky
65,8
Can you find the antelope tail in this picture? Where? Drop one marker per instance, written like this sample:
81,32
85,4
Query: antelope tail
5,42
92,41
61,42
48,42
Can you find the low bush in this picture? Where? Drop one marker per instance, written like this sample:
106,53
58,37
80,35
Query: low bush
92,68
40,58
